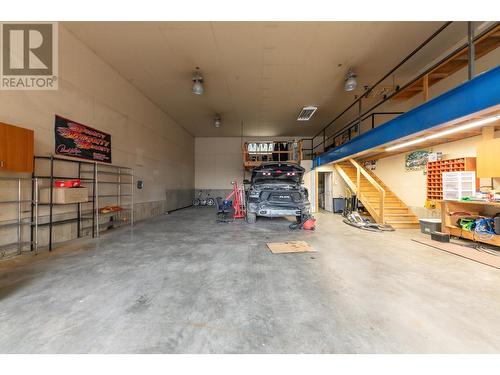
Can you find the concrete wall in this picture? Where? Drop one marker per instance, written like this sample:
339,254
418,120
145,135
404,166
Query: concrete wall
143,137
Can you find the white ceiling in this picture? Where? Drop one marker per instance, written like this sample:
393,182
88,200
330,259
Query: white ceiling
258,73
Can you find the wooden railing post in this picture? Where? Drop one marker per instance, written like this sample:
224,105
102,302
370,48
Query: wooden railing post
358,181
381,207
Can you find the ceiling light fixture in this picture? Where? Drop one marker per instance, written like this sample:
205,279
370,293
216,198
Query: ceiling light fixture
217,120
350,81
473,124
197,82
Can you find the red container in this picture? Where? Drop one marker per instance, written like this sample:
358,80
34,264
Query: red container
67,183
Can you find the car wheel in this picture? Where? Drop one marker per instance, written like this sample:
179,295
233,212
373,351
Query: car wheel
251,217
210,202
196,202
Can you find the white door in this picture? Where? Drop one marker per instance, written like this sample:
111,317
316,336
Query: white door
329,191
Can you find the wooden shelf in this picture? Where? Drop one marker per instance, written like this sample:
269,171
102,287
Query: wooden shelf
459,232
466,206
436,168
292,152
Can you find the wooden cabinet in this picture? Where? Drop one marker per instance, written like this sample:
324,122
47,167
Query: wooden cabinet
16,148
488,156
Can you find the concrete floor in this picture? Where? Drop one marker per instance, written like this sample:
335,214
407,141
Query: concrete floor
183,284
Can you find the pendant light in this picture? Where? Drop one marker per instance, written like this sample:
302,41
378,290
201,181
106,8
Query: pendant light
350,81
197,82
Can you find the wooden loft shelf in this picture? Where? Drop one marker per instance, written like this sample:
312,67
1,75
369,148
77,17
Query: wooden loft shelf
484,45
276,151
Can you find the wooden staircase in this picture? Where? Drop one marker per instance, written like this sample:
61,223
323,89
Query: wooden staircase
382,204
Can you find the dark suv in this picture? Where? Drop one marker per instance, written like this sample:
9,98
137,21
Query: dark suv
276,190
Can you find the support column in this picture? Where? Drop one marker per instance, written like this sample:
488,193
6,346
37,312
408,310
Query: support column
471,50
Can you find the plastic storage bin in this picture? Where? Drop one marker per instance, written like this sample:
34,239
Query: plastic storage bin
430,225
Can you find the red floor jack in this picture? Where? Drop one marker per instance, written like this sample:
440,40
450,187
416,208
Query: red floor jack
238,195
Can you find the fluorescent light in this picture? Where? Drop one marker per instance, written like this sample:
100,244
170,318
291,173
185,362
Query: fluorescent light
443,133
456,129
409,143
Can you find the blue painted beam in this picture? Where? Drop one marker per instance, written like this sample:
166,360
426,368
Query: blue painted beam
472,96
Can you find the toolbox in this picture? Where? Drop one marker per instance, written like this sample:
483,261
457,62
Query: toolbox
440,236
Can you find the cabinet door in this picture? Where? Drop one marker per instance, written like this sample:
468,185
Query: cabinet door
16,149
3,147
488,154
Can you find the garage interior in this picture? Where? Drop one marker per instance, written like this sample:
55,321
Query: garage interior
126,248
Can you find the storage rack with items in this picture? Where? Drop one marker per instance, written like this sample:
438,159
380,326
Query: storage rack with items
435,177
86,214
451,210
114,197
62,169
20,210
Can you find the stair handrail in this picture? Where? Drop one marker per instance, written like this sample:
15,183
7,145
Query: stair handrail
346,178
360,170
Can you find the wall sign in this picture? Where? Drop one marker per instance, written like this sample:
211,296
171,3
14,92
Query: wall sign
81,141
416,160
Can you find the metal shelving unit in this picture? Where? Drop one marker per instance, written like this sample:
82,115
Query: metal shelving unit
114,186
90,175
55,163
20,222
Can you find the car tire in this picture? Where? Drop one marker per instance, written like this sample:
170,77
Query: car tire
251,217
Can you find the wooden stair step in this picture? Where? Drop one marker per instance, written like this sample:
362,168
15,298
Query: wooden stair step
404,225
399,221
398,215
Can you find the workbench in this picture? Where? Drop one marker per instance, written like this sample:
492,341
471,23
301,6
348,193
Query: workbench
474,207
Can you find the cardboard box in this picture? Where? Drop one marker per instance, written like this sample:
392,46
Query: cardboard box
64,195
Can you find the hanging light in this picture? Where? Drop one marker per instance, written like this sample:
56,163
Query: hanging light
197,82
350,81
217,120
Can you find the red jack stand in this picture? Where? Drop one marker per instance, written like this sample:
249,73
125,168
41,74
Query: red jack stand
238,195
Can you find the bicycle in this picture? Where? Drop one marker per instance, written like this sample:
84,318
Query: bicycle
206,201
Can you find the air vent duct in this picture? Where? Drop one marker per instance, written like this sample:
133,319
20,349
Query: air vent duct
306,113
